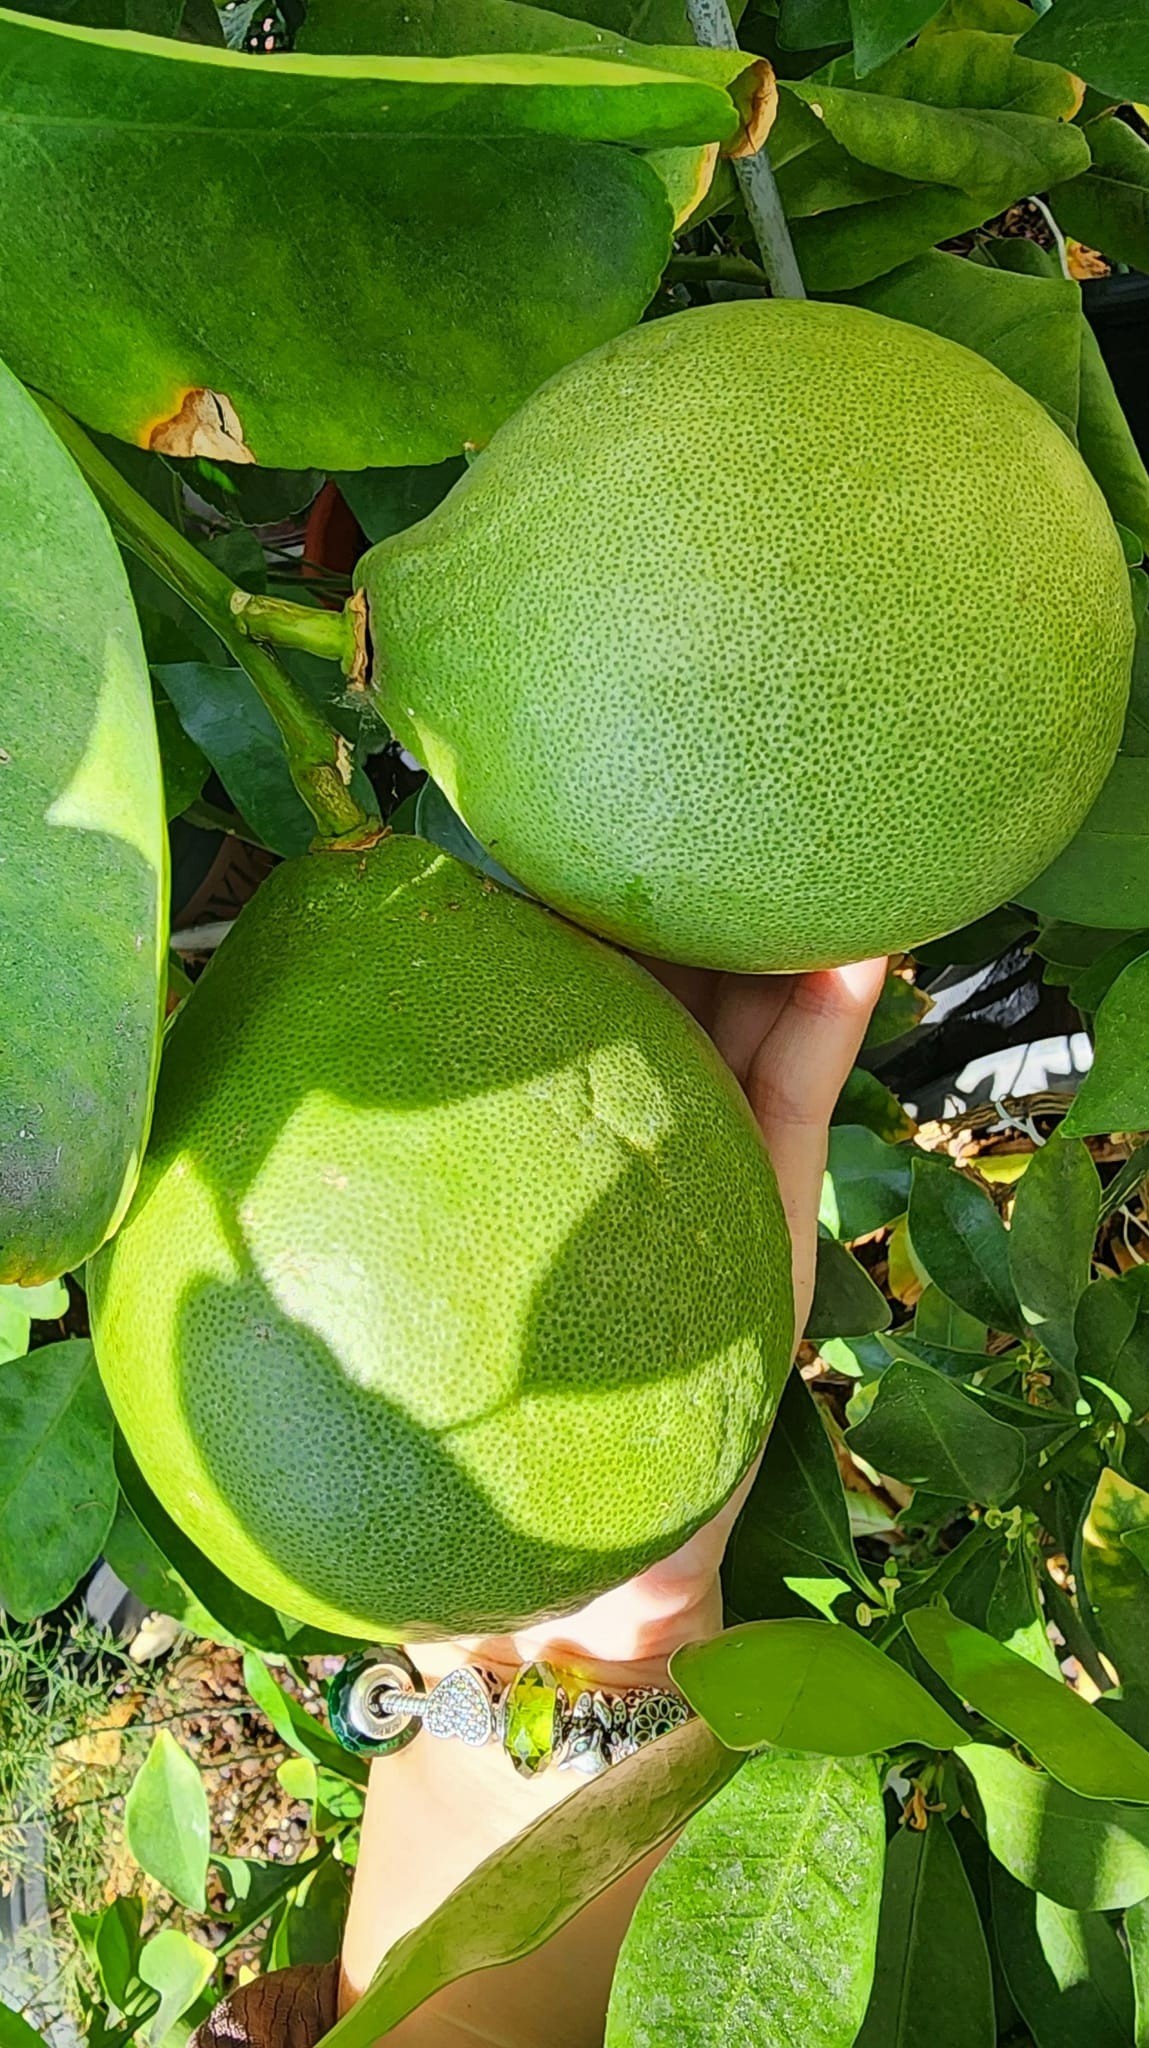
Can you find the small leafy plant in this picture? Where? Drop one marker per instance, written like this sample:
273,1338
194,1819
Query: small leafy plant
914,1802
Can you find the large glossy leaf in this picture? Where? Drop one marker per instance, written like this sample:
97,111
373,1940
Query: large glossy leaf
1113,1336
1027,326
166,1822
924,1431
881,27
1108,208
846,1302
1067,1972
867,1182
1079,1747
961,1242
1051,1237
1104,41
932,1982
1087,1853
1116,1587
83,862
522,1895
446,232
797,1498
57,1479
760,1924
1115,1093
808,1685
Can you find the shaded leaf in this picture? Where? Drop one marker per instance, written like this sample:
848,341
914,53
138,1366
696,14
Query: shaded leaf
1104,41
185,766
166,1822
1108,208
961,1242
437,820
1078,1746
882,27
900,1006
1114,1095
939,1321
386,501
1028,327
730,1937
391,324
57,1480
524,1893
1050,1240
1067,1971
1088,990
924,1431
1088,1853
1102,877
15,2032
311,1927
932,1982
146,1572
797,1495
846,1302
1137,1935
179,1969
866,1184
866,1100
808,1685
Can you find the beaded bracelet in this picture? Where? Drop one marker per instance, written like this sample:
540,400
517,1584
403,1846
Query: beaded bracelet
542,1715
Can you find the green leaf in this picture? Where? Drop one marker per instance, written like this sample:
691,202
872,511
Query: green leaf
299,1729
866,1184
15,1327
1089,988
437,820
729,1941
311,1927
83,853
524,1893
960,1240
846,1302
185,767
15,2032
111,1942
386,501
924,1431
932,1984
146,1572
220,711
939,1321
1137,1935
1080,1748
179,1969
1102,877
899,1008
1103,41
44,1304
808,1685
813,24
1114,1569
391,323
237,1616
1067,1972
1108,208
797,1497
166,1822
866,1100
1086,1853
882,27
1051,1240
1028,327
1114,1095
57,1479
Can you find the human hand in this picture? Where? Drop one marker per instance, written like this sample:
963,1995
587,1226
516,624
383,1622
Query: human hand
791,1041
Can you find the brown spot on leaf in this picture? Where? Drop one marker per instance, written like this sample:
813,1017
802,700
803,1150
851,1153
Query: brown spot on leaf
360,667
707,162
206,423
755,94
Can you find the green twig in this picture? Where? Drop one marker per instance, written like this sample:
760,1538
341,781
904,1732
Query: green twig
710,20
330,635
317,756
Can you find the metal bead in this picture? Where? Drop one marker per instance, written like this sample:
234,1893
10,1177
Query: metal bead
363,1702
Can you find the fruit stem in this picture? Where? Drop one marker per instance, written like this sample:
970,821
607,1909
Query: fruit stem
330,635
318,757
710,20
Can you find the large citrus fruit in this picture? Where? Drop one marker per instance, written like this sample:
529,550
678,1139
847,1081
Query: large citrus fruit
456,1287
771,635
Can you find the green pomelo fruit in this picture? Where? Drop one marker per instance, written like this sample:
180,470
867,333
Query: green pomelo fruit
83,862
769,636
456,1287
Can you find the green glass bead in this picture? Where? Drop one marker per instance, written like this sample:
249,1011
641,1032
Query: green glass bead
531,1718
356,1723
